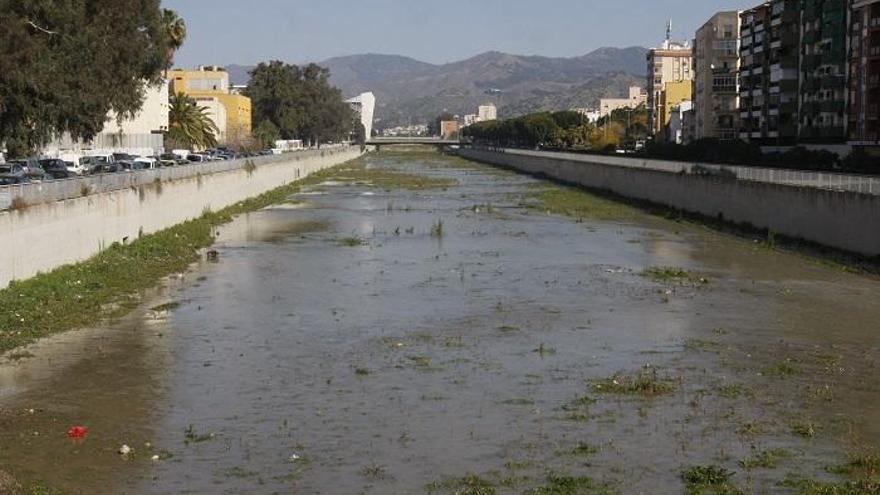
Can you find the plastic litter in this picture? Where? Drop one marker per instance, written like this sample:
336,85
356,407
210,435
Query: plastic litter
77,432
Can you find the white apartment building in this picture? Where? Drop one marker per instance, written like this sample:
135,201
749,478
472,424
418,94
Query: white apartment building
365,105
487,112
141,135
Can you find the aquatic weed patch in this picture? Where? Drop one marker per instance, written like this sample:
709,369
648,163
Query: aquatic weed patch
647,384
806,486
469,484
768,459
708,480
669,274
559,484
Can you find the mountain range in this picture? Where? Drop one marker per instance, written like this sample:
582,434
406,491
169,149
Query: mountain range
408,90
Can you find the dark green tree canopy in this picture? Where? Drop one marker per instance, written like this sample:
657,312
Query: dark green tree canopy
299,102
65,64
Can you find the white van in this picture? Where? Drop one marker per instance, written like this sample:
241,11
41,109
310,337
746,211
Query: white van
181,154
74,163
148,163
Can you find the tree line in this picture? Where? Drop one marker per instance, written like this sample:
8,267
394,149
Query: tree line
292,102
565,129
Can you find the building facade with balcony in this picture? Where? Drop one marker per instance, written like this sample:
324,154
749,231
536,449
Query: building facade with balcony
672,62
864,74
823,71
769,73
716,77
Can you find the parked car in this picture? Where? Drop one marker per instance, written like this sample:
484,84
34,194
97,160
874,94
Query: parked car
197,158
99,163
12,179
27,163
168,160
56,168
32,169
147,162
13,168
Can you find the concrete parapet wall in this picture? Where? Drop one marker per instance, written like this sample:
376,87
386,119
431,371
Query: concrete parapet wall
45,236
843,220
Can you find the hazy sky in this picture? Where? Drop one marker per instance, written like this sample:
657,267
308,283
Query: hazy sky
226,32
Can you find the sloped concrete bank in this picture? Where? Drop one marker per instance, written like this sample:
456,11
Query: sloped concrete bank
42,237
842,220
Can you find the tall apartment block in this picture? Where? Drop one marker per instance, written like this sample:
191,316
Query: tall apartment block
716,77
864,62
670,63
769,76
823,70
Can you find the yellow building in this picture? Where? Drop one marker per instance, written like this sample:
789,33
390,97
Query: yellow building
673,95
213,82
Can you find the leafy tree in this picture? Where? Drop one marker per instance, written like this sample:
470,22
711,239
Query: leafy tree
266,134
189,124
65,64
299,102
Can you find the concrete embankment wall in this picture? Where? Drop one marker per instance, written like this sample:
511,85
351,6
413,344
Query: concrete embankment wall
842,220
45,236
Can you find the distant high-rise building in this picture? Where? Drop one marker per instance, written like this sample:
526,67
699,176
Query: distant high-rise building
487,112
864,86
769,58
716,75
823,70
669,63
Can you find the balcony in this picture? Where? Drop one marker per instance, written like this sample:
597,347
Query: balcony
809,107
832,82
832,106
811,62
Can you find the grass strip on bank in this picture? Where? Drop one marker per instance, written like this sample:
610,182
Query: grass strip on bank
108,285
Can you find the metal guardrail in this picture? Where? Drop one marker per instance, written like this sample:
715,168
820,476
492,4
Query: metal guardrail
77,187
801,178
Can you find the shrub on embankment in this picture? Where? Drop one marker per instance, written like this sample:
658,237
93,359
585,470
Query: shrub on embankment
107,285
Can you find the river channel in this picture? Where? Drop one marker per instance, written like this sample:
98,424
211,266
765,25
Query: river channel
455,336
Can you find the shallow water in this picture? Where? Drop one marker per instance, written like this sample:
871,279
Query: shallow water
420,356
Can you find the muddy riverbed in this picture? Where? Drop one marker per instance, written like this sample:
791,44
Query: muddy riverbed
450,335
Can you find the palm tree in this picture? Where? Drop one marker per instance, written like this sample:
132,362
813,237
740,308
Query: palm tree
175,33
189,124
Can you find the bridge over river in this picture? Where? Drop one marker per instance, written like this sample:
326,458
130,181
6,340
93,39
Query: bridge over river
440,143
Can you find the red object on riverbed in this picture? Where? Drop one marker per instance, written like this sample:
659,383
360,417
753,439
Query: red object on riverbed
77,432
